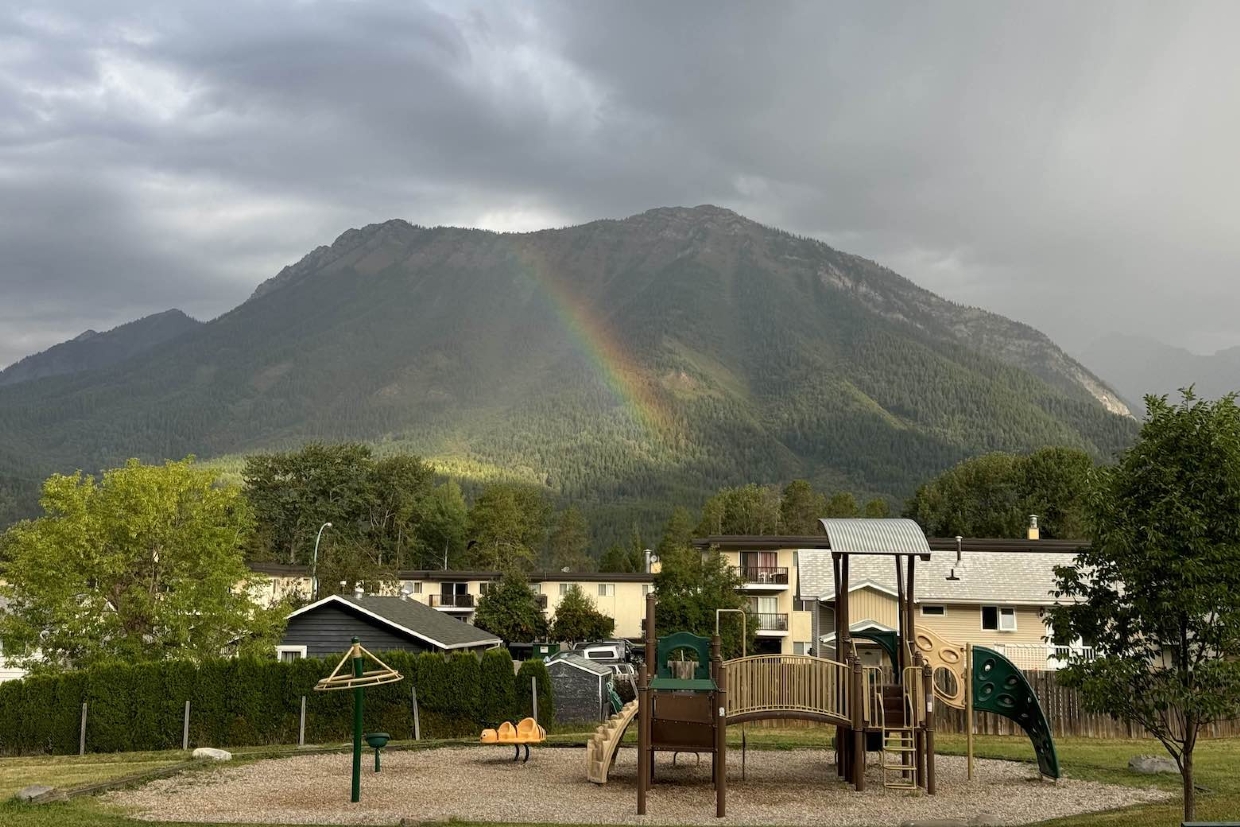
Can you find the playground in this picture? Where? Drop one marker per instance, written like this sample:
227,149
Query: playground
481,783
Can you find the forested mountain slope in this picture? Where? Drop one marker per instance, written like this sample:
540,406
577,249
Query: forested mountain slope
628,365
92,350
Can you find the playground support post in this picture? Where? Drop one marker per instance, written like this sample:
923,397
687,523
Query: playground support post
858,727
719,761
968,706
644,755
927,691
919,733
358,702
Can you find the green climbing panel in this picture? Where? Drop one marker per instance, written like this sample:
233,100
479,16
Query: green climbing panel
1001,688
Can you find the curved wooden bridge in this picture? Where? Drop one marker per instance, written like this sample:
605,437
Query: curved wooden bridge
762,687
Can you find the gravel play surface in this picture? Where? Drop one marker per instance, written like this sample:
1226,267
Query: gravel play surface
796,787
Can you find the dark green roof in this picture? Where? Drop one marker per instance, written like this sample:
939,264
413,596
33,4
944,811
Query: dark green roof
412,618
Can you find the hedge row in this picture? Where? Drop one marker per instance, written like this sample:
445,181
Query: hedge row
246,702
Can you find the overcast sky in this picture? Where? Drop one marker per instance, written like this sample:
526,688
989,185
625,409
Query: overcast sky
1075,166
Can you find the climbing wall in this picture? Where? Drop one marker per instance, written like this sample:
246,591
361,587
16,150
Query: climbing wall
1001,688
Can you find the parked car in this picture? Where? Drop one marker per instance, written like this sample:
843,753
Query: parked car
606,651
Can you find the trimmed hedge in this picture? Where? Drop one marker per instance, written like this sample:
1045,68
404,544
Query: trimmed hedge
247,702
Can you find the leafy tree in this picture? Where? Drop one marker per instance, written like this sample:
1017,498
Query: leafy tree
577,619
442,528
145,564
569,541
398,487
876,508
1157,593
508,526
616,560
677,532
994,494
511,611
800,508
691,585
748,509
843,504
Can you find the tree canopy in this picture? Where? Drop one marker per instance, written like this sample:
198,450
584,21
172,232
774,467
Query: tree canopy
145,564
1157,593
993,495
691,585
510,610
578,620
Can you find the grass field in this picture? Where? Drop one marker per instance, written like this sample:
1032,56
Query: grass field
1089,759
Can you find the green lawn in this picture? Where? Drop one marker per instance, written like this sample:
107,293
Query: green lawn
1091,759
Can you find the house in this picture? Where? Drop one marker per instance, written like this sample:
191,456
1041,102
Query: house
328,626
996,593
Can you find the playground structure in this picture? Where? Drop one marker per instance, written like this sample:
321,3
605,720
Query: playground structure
358,678
886,711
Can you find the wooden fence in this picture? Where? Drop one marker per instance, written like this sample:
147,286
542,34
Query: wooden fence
1063,709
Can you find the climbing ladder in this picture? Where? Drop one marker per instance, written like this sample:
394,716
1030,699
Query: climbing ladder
601,749
899,744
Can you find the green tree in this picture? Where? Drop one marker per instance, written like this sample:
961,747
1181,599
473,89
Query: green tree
747,509
508,526
800,508
994,494
677,532
1157,593
570,539
616,560
577,620
876,508
691,585
511,611
442,528
398,487
145,564
843,504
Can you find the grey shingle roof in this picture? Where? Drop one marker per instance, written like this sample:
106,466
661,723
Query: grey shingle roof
985,577
415,618
580,662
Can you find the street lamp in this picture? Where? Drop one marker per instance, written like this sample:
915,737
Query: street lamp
314,564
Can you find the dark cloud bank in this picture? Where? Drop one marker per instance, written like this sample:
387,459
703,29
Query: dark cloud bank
1069,165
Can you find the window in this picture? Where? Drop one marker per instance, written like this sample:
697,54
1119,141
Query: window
998,618
800,648
288,654
564,587
606,589
417,587
803,605
933,611
536,588
647,588
485,588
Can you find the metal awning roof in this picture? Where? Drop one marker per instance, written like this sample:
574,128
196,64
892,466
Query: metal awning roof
875,536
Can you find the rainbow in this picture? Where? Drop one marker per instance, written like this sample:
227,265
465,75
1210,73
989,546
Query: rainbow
597,341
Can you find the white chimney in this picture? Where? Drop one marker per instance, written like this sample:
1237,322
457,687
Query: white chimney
358,591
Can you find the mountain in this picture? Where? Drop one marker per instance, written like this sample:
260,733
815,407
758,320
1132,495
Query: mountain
92,350
1138,365
624,364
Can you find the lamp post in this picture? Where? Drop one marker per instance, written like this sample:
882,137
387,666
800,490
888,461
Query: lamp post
314,564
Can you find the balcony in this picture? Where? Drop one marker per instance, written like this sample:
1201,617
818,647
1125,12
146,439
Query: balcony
764,578
771,624
452,602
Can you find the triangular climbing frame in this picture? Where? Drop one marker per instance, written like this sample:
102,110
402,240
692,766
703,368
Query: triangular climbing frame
342,676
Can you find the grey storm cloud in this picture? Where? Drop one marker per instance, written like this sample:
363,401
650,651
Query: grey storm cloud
1069,165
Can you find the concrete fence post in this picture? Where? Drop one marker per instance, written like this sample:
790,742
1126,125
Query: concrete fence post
417,722
82,732
301,726
534,695
185,728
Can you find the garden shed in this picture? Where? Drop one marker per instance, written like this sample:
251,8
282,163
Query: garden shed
579,688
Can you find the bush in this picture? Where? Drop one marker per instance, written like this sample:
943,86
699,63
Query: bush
247,702
525,707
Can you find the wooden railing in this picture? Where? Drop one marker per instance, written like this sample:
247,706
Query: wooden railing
787,683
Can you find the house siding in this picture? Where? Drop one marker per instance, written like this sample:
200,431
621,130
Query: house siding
330,629
872,605
963,624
